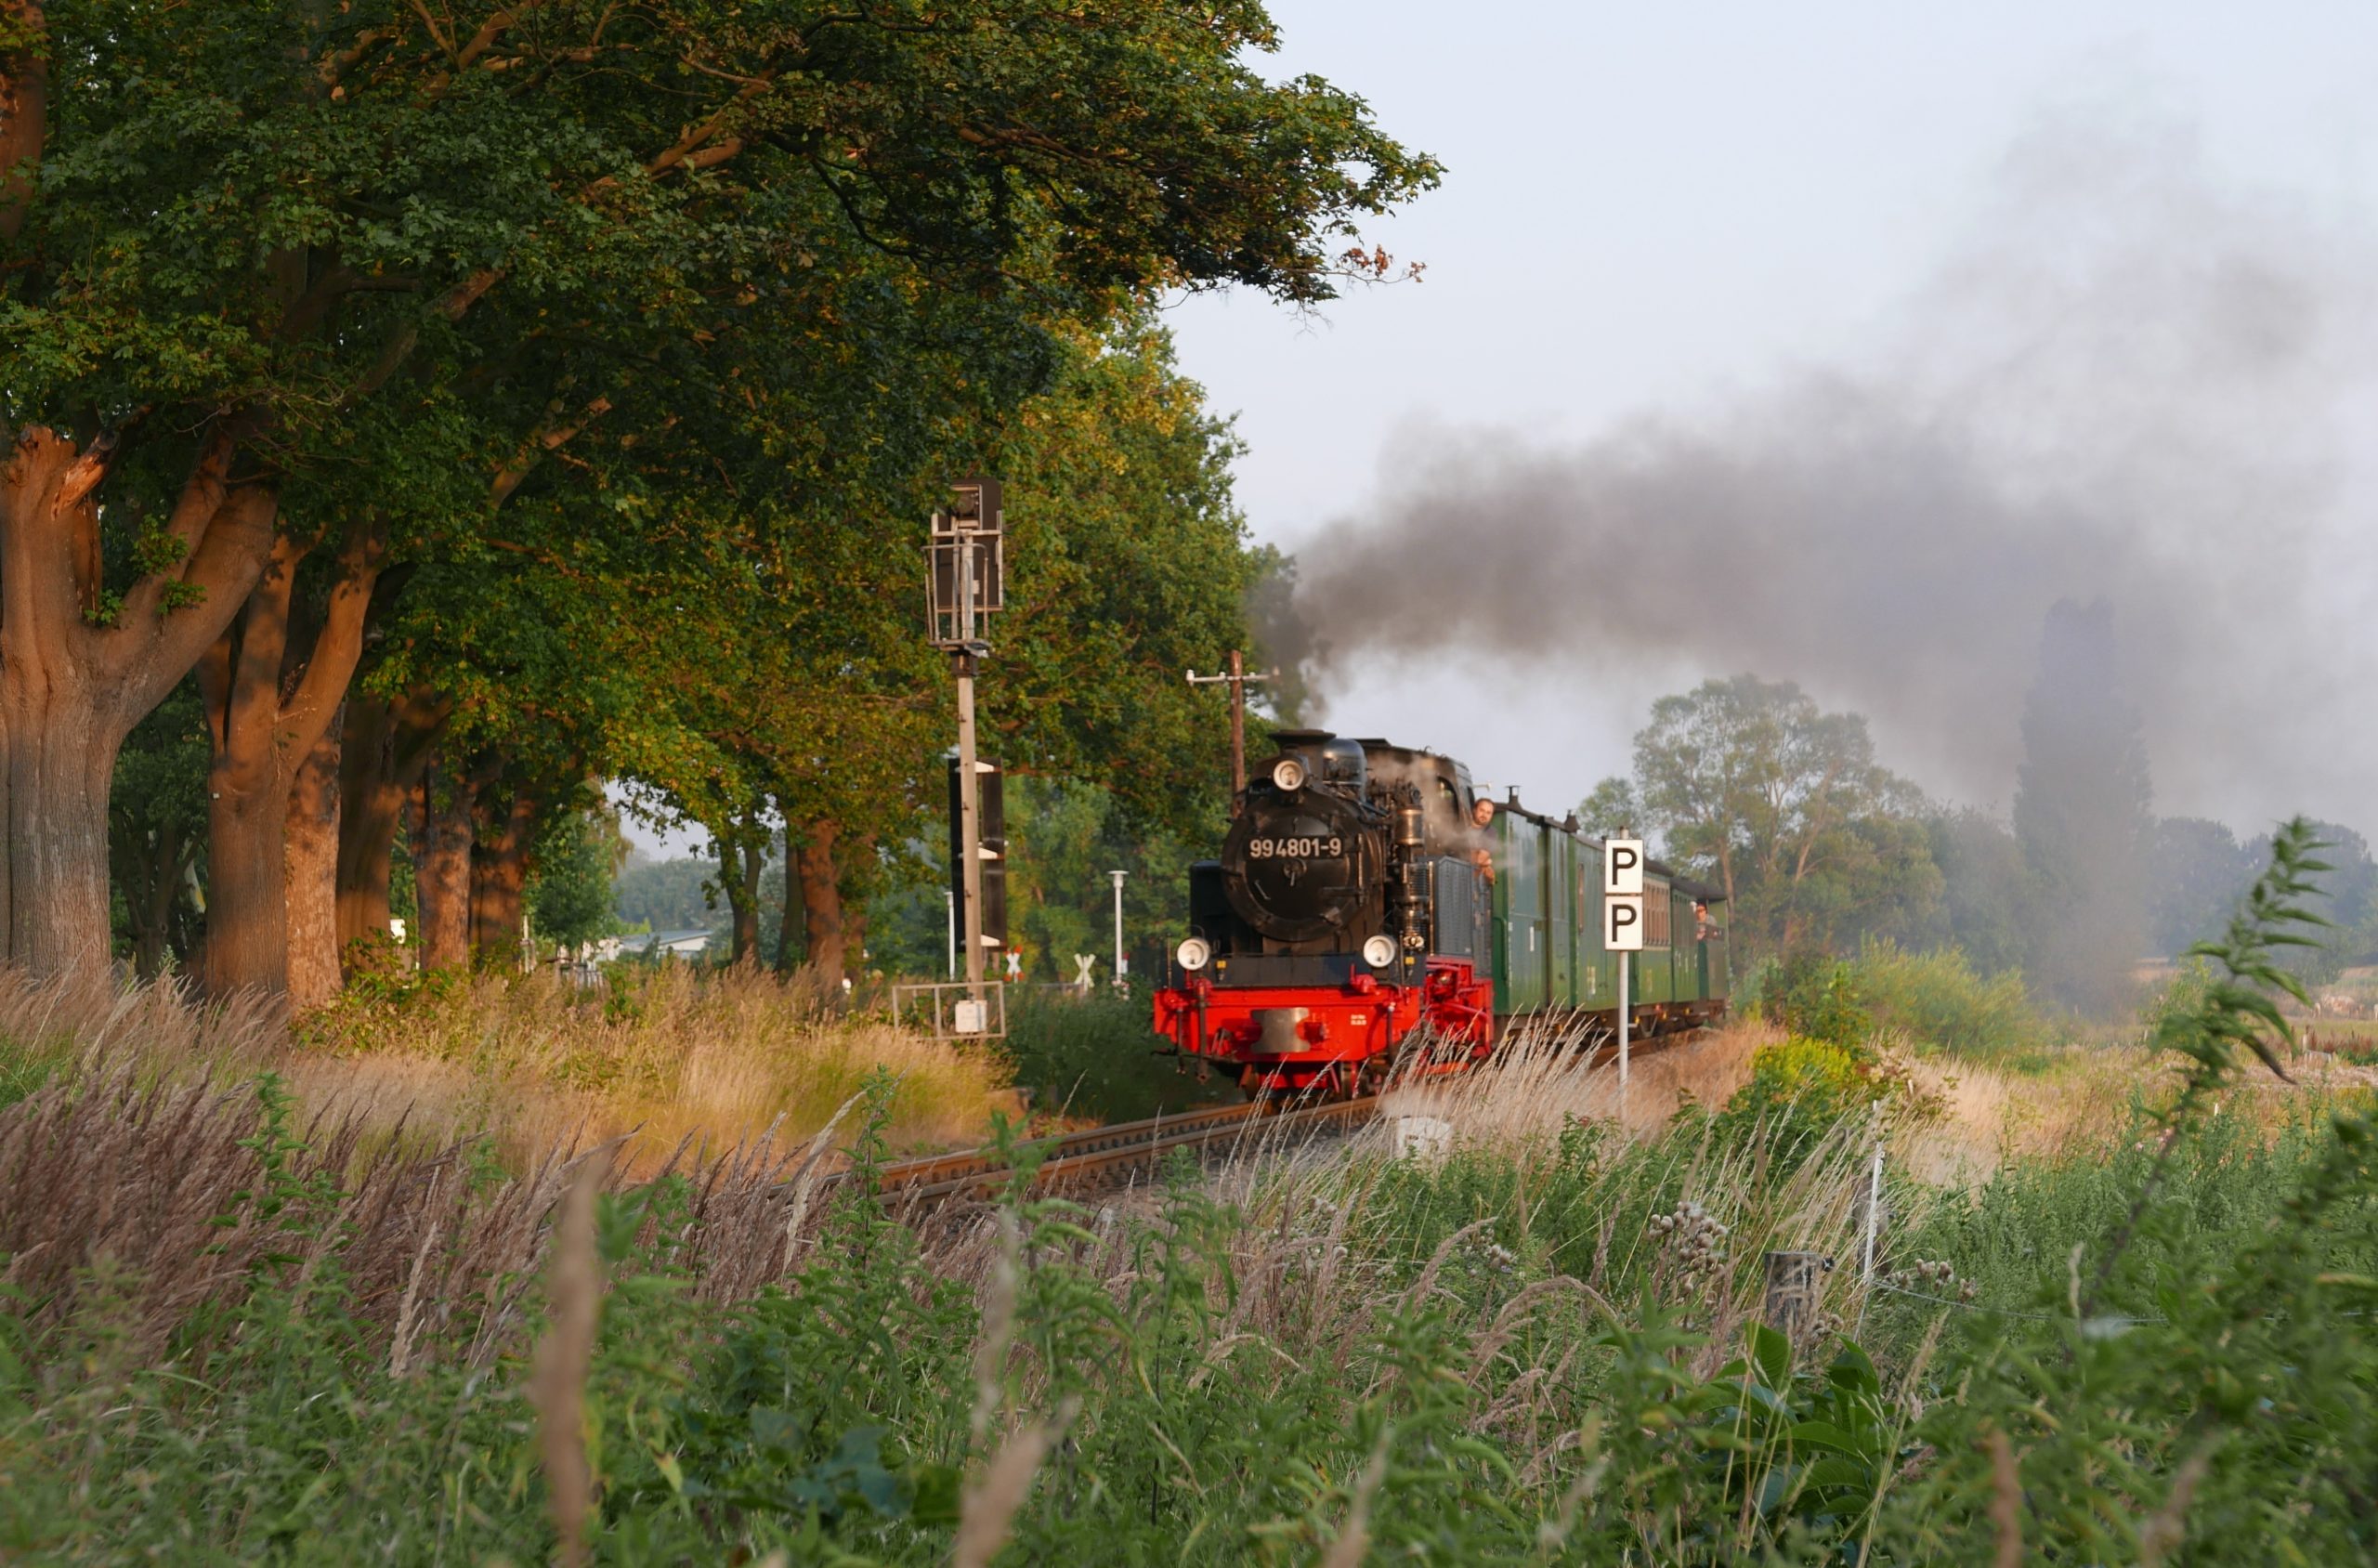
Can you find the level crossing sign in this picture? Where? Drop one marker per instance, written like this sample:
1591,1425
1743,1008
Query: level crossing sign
1622,896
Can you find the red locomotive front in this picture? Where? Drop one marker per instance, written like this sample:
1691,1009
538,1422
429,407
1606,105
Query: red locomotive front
1348,914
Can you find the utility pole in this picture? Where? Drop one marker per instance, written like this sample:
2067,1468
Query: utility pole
1238,680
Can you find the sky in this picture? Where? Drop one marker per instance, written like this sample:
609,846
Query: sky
2078,283
1978,263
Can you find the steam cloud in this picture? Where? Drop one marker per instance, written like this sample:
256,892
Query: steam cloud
2133,382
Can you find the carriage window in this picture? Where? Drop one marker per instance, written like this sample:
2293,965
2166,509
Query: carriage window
1655,916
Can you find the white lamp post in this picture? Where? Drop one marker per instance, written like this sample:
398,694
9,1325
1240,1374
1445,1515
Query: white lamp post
1118,878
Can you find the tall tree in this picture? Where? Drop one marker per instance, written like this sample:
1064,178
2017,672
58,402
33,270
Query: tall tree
1987,892
2197,870
347,259
2082,813
1785,808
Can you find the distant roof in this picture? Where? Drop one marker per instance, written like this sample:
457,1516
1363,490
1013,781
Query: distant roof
644,940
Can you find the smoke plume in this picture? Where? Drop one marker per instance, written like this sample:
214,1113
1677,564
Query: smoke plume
2133,382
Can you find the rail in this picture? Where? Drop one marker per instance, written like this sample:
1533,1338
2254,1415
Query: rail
1102,1150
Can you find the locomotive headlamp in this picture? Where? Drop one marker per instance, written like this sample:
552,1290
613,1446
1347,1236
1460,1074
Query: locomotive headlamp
1288,774
1378,951
1192,954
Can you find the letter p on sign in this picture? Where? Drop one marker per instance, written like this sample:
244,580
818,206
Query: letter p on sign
1621,867
1622,925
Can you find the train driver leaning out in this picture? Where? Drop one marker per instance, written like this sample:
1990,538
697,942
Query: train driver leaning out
1482,854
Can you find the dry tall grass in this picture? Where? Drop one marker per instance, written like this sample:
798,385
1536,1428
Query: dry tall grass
658,1058
154,1186
664,1055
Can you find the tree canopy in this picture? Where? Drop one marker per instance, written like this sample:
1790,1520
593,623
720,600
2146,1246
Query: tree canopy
479,381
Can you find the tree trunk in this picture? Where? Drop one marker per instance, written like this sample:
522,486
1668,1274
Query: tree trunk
788,936
821,904
854,879
76,674
247,916
499,880
261,740
309,868
383,754
741,866
442,868
743,860
54,788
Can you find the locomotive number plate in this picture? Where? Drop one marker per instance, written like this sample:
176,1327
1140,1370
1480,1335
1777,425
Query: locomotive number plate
1293,849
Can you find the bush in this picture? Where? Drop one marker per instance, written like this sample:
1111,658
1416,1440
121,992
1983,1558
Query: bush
1093,1057
1798,1091
1816,997
1937,1001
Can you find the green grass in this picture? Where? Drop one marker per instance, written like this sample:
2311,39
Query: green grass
1092,1057
2153,1345
1513,1334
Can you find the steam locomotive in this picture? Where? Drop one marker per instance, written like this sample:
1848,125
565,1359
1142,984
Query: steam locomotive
1367,918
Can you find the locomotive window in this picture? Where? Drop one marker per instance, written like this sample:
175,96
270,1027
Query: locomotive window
1655,916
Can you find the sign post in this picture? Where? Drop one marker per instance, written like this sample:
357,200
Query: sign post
1622,930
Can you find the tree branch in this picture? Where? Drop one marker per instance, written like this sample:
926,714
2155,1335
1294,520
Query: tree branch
224,570
261,632
338,647
546,437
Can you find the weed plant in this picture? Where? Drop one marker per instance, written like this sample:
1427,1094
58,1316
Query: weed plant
1519,1352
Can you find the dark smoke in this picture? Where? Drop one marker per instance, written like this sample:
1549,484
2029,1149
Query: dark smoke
2133,384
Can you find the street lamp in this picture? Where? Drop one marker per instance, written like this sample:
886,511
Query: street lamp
1118,878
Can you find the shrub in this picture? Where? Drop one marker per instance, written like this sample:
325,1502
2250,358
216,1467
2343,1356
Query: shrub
1093,1057
1798,1091
1937,1001
1816,996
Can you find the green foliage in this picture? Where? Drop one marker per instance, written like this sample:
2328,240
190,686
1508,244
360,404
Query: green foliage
1486,1357
1819,998
1784,807
157,833
569,894
1798,1091
1938,1002
1093,1056
1932,1000
679,894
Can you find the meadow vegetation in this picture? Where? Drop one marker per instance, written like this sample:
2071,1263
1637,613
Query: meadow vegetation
2138,1335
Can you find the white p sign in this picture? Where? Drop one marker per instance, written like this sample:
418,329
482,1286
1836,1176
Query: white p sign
1621,867
1622,922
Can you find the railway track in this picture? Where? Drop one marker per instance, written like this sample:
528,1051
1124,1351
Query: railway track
1082,1158
1100,1153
